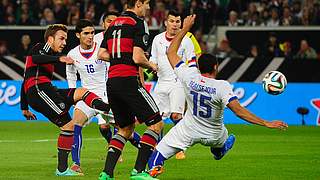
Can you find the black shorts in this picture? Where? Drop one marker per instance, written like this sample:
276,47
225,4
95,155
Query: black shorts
129,100
53,103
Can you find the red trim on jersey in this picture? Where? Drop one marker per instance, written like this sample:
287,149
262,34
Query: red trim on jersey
90,53
122,70
29,64
167,38
126,45
33,81
124,20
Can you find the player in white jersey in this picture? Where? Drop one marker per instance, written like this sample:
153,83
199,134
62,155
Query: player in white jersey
207,99
168,93
93,75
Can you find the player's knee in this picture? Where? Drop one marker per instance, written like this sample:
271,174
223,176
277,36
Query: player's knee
79,117
104,126
126,131
157,127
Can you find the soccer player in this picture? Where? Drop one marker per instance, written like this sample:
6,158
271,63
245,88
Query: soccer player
38,92
126,40
206,98
93,77
168,93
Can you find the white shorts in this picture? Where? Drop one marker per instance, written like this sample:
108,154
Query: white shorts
181,137
169,98
90,112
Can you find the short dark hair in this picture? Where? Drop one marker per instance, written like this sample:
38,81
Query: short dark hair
82,23
206,63
132,3
112,13
174,13
53,28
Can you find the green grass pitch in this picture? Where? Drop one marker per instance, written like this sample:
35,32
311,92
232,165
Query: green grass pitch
28,151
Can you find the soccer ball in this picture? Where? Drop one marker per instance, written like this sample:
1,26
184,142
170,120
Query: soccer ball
274,82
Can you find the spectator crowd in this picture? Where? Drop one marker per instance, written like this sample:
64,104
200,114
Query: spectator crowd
209,13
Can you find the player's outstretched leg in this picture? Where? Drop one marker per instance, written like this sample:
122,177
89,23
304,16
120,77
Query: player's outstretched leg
106,132
176,118
155,163
218,153
91,99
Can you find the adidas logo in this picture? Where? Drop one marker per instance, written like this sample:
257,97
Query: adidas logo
111,150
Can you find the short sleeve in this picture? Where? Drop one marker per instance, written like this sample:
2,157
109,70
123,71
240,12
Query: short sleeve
227,94
184,71
141,37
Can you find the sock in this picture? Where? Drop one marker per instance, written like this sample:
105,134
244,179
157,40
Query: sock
106,133
77,144
94,101
115,131
114,151
135,140
147,143
156,159
65,141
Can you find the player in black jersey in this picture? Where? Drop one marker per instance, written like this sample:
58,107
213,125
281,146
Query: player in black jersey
38,92
124,45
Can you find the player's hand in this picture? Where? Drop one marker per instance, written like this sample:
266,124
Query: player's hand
29,115
66,59
153,67
276,124
188,22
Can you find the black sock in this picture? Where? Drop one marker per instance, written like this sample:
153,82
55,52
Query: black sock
63,159
147,143
106,133
114,151
94,101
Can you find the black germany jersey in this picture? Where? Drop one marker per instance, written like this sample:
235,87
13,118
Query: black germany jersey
125,32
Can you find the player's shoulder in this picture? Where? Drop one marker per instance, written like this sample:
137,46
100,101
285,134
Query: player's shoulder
39,48
74,50
222,83
159,37
99,35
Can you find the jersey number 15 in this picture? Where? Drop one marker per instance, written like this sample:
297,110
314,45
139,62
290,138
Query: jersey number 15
200,100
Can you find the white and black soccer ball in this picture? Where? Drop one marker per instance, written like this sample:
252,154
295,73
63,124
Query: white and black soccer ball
274,82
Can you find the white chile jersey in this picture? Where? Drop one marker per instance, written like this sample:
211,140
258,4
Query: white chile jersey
206,98
159,50
92,71
98,38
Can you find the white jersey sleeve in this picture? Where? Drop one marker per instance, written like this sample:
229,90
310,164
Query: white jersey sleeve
227,94
71,73
154,51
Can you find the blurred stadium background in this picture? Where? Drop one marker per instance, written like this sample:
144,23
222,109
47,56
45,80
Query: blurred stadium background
249,37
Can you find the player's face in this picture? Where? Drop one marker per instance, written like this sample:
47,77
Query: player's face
86,36
143,8
108,21
173,24
59,41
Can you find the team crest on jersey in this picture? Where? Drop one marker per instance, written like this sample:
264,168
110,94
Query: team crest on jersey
145,39
98,61
62,105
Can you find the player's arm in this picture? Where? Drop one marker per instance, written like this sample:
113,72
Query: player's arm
71,74
173,57
246,115
103,54
141,76
141,60
24,105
